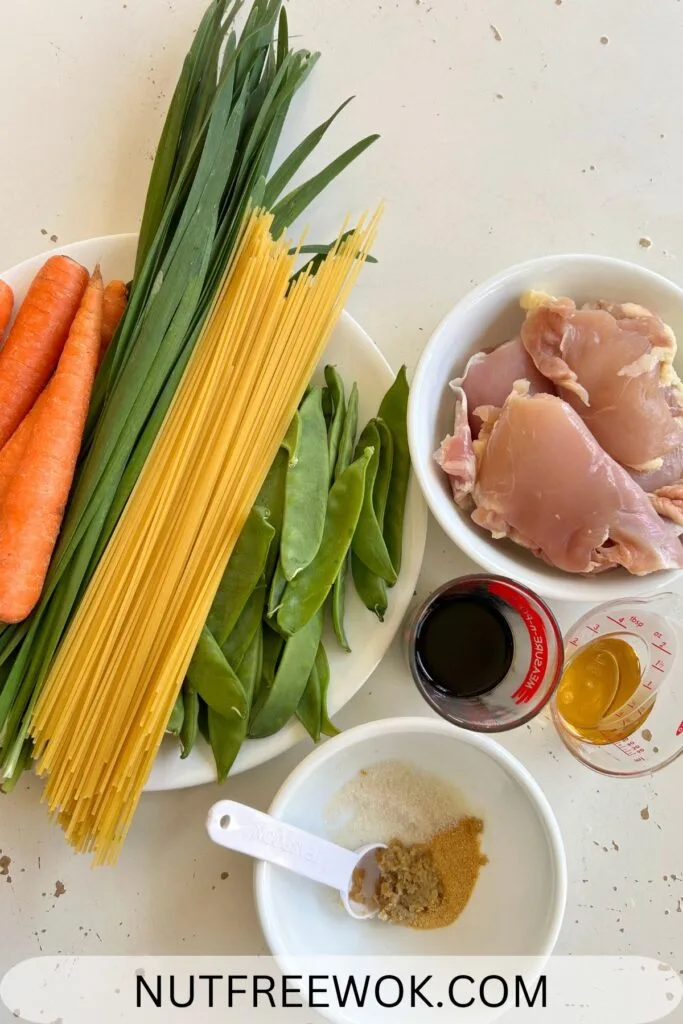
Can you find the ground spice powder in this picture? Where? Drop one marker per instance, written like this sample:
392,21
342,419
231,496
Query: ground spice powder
428,885
458,859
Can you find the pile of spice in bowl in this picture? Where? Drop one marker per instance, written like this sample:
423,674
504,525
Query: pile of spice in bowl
433,855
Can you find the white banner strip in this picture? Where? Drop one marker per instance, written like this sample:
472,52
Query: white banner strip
348,990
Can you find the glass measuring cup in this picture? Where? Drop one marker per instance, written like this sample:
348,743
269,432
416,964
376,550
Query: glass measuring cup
646,733
534,669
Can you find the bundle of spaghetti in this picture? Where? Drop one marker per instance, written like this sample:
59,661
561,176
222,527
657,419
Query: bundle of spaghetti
106,702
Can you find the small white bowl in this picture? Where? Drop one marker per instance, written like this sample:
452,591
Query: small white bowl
488,316
518,903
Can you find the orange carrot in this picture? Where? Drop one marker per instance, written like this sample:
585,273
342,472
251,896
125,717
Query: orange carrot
12,453
34,344
113,308
33,506
6,304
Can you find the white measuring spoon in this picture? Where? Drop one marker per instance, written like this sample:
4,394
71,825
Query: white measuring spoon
246,830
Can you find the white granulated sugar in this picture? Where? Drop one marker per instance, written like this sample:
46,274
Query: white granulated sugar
392,800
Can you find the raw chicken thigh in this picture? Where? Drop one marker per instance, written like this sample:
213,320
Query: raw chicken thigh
613,364
456,454
489,376
543,481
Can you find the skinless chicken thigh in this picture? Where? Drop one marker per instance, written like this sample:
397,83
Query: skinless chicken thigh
613,364
490,375
544,481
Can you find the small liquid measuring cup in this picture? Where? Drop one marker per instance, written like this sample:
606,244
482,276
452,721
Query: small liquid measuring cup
528,675
651,721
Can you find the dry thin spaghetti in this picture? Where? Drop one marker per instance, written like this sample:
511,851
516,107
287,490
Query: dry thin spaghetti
107,700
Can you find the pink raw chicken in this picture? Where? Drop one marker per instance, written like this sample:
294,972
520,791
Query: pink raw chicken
613,364
490,375
456,454
543,481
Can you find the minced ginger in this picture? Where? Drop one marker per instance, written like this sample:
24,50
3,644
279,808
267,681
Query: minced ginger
428,885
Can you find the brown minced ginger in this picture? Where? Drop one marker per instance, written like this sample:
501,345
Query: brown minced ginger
427,885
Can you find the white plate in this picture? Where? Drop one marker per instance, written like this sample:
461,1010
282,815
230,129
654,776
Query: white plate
356,358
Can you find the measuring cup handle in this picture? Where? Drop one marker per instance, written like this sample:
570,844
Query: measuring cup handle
246,830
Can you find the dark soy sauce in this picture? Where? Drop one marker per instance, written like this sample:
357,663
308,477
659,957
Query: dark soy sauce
464,645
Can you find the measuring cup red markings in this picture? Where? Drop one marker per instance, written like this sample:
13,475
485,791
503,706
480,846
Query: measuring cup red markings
632,750
537,635
679,730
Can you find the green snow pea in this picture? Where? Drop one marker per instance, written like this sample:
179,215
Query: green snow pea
226,736
335,387
242,573
394,412
250,667
214,679
306,489
327,727
290,442
175,722
339,605
189,728
328,406
273,643
272,499
347,443
240,637
306,593
279,702
368,542
370,587
380,493
277,589
228,711
309,711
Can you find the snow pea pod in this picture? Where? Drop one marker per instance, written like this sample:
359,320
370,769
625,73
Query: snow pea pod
226,736
239,640
242,573
368,543
218,685
335,388
272,644
189,728
394,411
290,442
277,589
339,605
309,711
250,667
271,498
347,443
327,727
278,703
175,722
306,593
380,493
214,679
370,587
306,490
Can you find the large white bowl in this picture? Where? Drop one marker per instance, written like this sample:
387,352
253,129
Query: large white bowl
486,317
518,903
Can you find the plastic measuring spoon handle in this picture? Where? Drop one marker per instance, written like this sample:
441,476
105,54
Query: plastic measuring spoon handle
242,828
